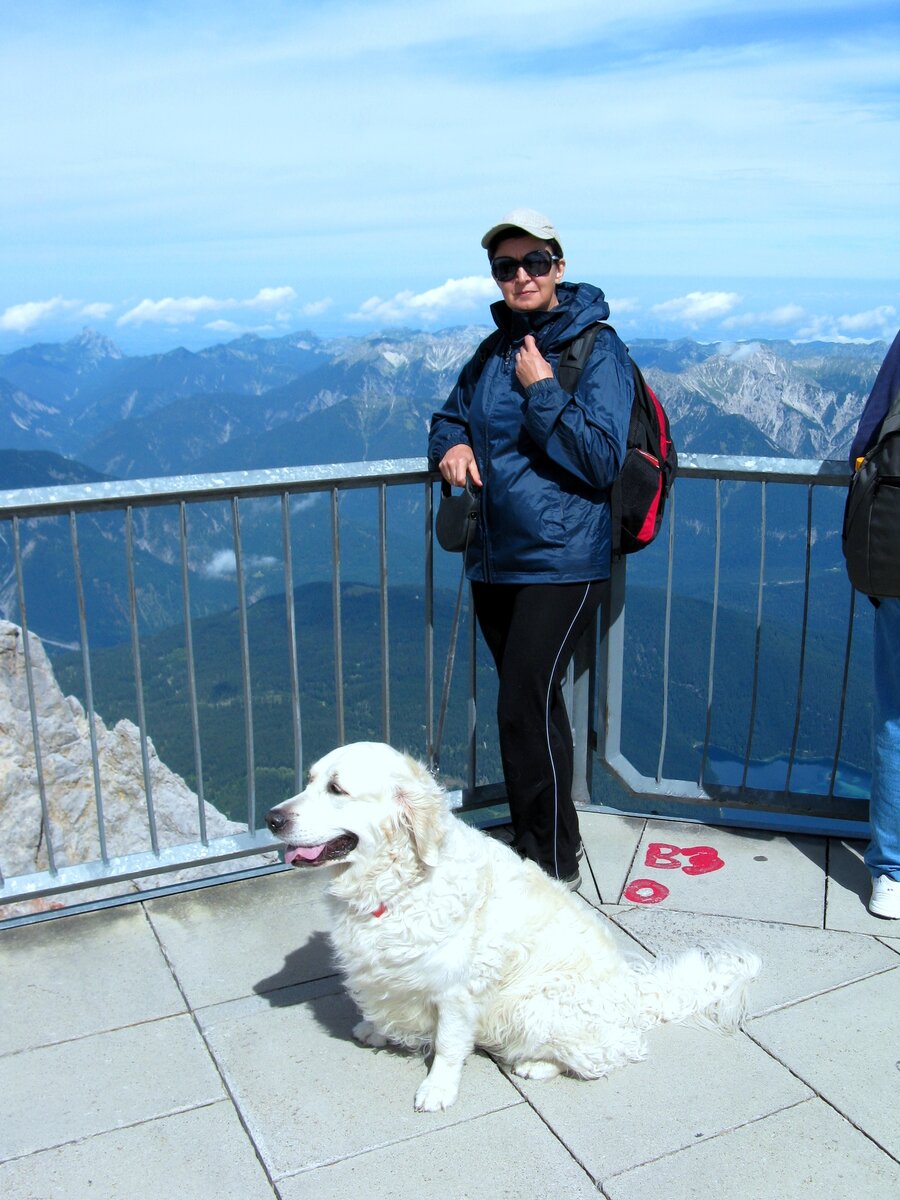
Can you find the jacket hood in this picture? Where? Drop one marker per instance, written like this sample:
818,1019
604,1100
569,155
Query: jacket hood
580,305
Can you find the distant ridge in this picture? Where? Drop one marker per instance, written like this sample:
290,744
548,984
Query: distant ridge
258,402
42,468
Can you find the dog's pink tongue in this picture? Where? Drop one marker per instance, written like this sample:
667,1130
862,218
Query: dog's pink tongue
308,853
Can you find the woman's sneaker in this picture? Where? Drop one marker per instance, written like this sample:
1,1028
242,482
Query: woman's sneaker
885,900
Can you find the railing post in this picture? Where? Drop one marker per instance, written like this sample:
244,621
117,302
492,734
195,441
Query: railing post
594,686
610,665
580,690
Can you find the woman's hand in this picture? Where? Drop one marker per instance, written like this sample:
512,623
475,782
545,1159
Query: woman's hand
531,364
458,462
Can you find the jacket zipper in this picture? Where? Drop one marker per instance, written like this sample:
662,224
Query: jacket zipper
485,555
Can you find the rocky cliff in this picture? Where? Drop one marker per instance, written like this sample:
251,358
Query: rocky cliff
65,748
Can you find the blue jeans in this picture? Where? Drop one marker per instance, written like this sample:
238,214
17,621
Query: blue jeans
883,853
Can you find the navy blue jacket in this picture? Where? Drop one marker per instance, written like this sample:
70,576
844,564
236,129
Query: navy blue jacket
546,459
884,391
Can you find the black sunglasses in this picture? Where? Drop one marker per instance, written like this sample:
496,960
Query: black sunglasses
536,263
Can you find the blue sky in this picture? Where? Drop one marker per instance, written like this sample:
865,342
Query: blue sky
181,173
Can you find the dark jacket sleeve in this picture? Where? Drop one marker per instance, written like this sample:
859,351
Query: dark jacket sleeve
884,391
450,425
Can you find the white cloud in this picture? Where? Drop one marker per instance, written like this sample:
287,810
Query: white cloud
875,323
625,305
19,318
97,312
316,307
169,311
453,296
223,327
785,314
223,564
883,318
697,306
268,298
185,310
742,352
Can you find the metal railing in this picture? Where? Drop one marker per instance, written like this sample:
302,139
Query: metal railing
829,805
190,512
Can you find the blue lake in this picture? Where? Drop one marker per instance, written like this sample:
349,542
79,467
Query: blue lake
809,775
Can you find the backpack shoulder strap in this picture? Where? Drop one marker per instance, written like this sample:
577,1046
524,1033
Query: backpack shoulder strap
483,352
574,357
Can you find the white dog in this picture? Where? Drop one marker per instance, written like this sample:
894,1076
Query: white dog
449,940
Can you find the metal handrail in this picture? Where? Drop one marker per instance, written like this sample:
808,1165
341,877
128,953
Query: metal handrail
595,692
745,804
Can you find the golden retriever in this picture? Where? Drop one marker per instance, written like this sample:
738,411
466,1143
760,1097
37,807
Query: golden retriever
448,940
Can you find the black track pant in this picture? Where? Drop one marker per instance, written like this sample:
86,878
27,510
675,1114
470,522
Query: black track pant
531,631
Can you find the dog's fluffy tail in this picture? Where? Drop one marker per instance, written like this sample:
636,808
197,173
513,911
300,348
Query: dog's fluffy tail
704,986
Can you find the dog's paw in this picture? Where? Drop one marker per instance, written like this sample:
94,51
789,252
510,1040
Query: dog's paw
435,1096
366,1033
535,1070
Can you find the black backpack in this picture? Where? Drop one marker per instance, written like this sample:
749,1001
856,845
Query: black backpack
638,496
871,533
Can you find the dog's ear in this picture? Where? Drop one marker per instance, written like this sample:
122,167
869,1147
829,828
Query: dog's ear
421,802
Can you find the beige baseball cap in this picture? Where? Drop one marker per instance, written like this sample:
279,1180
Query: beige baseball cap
528,219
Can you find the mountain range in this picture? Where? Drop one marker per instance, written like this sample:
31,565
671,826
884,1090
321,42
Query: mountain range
257,402
82,410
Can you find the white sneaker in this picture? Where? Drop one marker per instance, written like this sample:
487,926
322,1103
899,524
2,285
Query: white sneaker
885,900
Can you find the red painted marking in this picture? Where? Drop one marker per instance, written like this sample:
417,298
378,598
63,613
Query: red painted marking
645,891
703,859
663,856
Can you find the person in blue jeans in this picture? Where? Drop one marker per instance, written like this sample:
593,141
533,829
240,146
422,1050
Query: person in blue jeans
883,851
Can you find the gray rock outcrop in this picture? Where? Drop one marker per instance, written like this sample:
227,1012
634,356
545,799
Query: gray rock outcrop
65,748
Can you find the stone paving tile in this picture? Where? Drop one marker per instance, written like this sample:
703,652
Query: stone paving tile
845,1045
258,934
703,1114
694,1085
796,962
246,1007
47,994
102,1082
849,890
610,843
588,889
807,1152
507,1155
311,1095
202,1154
765,877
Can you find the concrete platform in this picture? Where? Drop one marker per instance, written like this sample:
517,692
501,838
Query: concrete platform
198,1046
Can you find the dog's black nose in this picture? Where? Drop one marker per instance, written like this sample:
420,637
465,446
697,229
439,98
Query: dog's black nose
275,820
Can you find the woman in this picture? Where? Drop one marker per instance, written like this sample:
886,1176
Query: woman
545,461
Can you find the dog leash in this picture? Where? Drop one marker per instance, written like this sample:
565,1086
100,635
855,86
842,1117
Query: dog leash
451,658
